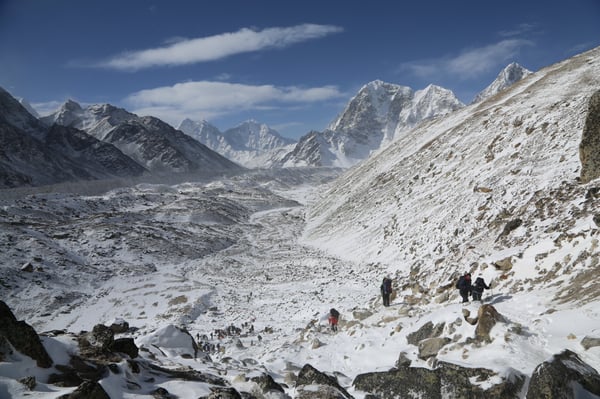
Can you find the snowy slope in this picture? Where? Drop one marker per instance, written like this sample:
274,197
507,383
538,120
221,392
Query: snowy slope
491,189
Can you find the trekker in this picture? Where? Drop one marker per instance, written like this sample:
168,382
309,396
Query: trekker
334,316
464,286
478,288
386,290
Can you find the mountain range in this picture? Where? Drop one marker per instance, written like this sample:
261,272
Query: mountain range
103,141
250,144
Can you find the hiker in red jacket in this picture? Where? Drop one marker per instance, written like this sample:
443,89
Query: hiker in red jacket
333,319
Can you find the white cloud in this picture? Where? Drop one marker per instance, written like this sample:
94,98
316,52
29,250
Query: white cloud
471,63
209,99
519,30
46,108
189,51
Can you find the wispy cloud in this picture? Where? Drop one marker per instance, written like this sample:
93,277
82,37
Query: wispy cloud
204,49
470,63
521,29
211,99
46,108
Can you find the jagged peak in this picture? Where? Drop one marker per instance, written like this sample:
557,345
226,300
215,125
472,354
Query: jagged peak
70,105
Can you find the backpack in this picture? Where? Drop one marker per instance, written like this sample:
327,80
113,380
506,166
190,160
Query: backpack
479,283
334,313
460,282
387,285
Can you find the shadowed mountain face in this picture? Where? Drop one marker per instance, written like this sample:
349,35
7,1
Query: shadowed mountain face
153,144
117,144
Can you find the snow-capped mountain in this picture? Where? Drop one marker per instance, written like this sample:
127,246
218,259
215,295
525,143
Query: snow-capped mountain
506,78
251,144
152,143
374,117
32,154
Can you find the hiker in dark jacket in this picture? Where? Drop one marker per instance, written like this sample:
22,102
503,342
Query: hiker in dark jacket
386,290
478,288
464,287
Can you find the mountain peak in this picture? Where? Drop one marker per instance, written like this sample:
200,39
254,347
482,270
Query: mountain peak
511,74
71,105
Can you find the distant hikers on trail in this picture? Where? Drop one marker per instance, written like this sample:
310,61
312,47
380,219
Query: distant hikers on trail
478,287
464,286
334,316
386,290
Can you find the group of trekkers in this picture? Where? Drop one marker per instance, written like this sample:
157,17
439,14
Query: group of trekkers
475,289
464,285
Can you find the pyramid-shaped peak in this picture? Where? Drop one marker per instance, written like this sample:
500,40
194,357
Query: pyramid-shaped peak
71,105
511,74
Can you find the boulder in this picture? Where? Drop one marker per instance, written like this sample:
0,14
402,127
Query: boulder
503,265
487,317
311,376
431,346
590,342
565,376
445,381
97,343
161,393
119,326
361,314
427,330
318,392
87,390
27,267
126,346
266,383
223,393
22,337
403,360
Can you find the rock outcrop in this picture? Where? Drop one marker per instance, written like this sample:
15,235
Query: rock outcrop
445,381
22,337
565,376
589,148
328,386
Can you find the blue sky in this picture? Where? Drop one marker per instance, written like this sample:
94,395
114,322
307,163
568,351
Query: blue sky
290,64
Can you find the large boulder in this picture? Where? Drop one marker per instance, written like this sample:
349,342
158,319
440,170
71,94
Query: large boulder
445,381
431,346
87,390
427,330
266,383
565,376
487,317
22,337
97,343
330,386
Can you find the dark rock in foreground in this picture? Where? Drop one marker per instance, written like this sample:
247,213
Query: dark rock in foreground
447,380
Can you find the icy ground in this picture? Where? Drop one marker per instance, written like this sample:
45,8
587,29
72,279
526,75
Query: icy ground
208,255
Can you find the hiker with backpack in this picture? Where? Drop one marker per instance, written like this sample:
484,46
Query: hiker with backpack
386,290
334,316
478,288
464,286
